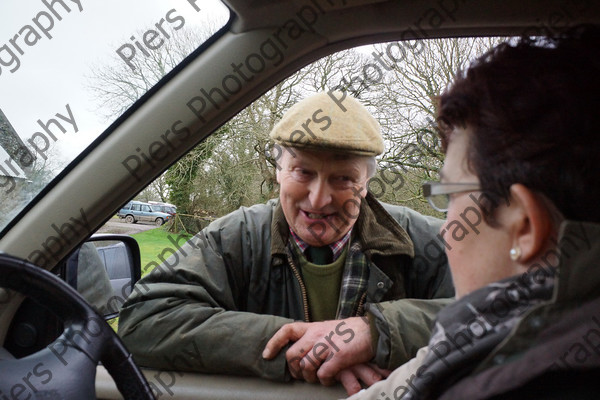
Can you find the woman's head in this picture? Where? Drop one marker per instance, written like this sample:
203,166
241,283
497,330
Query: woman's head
534,111
521,122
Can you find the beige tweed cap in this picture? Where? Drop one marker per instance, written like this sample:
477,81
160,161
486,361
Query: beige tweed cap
332,121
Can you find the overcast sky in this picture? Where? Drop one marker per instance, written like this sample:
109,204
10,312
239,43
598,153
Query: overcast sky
53,72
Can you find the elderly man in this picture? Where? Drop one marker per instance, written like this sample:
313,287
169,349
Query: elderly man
324,251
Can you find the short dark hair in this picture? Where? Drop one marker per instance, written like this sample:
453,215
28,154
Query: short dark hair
533,109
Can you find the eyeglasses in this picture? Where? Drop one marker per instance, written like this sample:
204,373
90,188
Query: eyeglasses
438,194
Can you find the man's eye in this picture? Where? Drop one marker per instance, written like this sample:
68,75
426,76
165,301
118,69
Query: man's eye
343,181
301,173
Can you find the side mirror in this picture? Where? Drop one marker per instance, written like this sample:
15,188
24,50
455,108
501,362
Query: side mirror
104,270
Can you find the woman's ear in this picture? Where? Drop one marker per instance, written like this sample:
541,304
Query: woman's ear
531,222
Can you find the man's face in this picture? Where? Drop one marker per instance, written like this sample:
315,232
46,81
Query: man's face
320,193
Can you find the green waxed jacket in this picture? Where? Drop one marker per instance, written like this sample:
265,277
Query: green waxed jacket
213,305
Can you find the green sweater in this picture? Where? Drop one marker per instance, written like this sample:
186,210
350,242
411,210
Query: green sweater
323,284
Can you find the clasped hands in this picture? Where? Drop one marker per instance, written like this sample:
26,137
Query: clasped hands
328,351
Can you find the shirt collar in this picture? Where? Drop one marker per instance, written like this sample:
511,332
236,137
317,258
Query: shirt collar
336,247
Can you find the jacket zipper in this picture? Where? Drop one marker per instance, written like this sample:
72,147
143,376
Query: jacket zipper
302,288
361,303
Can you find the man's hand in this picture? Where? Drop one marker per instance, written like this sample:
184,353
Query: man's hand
323,349
368,374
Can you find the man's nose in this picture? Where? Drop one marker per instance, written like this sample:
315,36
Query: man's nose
319,194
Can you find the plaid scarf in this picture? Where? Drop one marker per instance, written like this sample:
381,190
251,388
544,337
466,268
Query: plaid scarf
354,283
336,247
468,330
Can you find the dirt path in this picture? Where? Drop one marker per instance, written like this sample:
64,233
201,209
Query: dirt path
119,226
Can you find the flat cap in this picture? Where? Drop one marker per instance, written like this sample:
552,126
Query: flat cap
330,120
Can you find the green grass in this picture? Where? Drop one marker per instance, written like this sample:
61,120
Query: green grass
155,243
114,323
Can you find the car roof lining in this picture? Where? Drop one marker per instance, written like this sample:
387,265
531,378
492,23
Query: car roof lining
427,18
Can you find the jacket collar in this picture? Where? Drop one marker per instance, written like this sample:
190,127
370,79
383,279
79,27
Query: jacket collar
377,231
280,231
579,252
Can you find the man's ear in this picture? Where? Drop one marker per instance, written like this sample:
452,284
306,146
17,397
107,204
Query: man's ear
531,222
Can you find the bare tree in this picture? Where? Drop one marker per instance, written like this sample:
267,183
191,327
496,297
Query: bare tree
404,100
158,190
234,166
116,85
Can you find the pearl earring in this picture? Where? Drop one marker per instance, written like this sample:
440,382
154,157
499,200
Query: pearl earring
515,253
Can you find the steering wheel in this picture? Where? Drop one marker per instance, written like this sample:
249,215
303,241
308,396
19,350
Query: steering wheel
66,368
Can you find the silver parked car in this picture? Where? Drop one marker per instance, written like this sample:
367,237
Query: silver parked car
135,211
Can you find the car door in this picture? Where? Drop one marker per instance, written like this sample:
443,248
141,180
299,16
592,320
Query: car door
146,213
136,211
